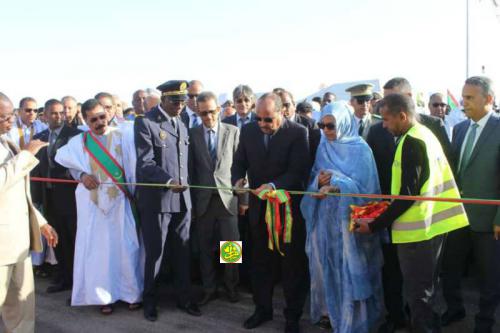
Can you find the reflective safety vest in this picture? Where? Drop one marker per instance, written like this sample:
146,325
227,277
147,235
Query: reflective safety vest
427,219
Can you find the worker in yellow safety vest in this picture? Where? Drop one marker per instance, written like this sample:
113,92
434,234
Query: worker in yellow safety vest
418,228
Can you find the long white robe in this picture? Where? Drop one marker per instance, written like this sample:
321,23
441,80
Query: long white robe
108,253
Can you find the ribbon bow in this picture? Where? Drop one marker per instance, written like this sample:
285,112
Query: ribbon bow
275,228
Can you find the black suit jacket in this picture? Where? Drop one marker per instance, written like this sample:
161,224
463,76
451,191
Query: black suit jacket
383,145
314,133
233,120
62,193
285,163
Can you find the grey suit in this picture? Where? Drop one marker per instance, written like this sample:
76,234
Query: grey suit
368,122
215,210
480,178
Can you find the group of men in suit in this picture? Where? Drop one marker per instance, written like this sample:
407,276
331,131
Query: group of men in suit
182,141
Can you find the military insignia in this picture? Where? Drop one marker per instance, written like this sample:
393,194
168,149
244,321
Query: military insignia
183,86
163,135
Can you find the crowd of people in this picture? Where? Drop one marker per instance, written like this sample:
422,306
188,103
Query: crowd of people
129,195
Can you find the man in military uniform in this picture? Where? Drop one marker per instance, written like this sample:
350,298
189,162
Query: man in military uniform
161,140
361,95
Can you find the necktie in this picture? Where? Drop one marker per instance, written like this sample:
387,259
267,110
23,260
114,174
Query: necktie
266,140
196,120
211,145
469,145
242,121
361,127
172,121
50,148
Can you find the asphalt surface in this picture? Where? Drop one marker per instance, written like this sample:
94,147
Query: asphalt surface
54,316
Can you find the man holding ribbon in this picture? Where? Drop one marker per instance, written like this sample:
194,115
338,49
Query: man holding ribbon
107,265
275,154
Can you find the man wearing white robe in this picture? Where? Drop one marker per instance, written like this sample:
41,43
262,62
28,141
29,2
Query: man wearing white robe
108,265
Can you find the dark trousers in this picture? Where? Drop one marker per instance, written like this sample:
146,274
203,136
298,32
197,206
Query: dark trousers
486,252
161,234
393,284
267,265
64,222
420,265
245,268
217,224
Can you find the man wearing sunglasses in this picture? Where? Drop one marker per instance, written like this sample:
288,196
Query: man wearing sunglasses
274,152
107,266
211,151
361,95
162,143
26,125
439,108
189,114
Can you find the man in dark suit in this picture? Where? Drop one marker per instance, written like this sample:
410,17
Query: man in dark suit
383,145
161,141
244,101
313,132
211,151
189,114
274,153
57,199
476,145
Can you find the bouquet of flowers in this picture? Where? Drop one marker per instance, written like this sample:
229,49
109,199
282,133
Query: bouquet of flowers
367,213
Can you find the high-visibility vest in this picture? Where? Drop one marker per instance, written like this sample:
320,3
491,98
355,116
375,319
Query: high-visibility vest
427,219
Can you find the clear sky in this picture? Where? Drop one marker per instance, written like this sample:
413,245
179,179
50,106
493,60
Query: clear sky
53,48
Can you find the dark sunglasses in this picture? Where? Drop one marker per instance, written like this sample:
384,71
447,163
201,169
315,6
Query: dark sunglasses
94,119
330,126
362,99
443,105
241,100
287,105
265,119
206,113
191,96
30,110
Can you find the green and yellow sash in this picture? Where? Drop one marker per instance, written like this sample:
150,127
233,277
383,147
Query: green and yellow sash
108,164
276,228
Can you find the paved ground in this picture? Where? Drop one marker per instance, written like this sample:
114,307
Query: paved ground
53,316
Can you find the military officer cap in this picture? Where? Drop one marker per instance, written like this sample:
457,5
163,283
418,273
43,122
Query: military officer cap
377,95
174,89
364,89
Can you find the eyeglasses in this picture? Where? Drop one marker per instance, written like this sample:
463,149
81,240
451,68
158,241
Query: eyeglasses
265,119
443,105
94,119
192,96
362,99
287,105
107,107
330,126
6,118
241,100
206,113
30,110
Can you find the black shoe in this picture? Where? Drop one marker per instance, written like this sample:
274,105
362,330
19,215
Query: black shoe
324,323
190,308
450,317
208,297
68,302
55,288
150,312
387,327
292,326
233,295
257,319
